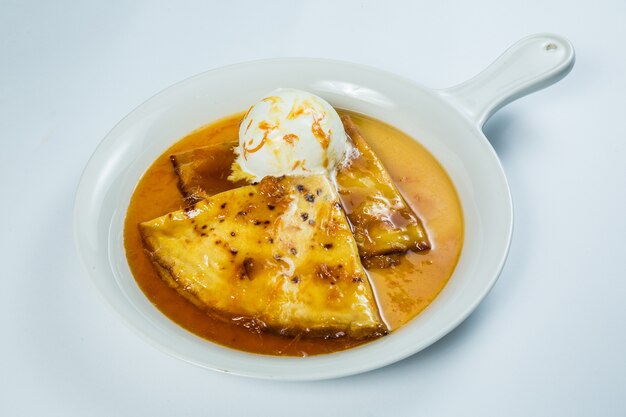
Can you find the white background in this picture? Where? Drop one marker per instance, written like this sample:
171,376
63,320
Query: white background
550,339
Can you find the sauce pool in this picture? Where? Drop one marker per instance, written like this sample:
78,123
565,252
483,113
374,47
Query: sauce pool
402,291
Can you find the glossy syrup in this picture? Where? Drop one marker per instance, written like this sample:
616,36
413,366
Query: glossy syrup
402,291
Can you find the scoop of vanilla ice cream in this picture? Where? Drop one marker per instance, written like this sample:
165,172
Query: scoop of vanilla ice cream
289,132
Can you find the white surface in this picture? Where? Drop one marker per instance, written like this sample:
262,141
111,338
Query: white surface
548,340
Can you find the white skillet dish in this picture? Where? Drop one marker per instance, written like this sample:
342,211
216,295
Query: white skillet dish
447,122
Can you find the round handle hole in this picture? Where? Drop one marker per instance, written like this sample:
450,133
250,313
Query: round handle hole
550,46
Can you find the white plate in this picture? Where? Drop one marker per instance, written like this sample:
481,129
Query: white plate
447,122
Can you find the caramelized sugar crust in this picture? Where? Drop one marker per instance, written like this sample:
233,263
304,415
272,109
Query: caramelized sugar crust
278,256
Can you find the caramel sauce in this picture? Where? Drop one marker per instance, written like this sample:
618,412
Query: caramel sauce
402,290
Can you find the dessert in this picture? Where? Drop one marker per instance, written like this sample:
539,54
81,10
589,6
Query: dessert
302,246
278,255
289,132
204,171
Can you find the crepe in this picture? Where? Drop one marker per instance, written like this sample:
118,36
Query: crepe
204,171
382,221
278,256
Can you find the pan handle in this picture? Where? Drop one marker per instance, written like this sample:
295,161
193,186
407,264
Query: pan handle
533,63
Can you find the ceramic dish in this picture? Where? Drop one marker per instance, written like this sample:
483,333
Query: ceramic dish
447,122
